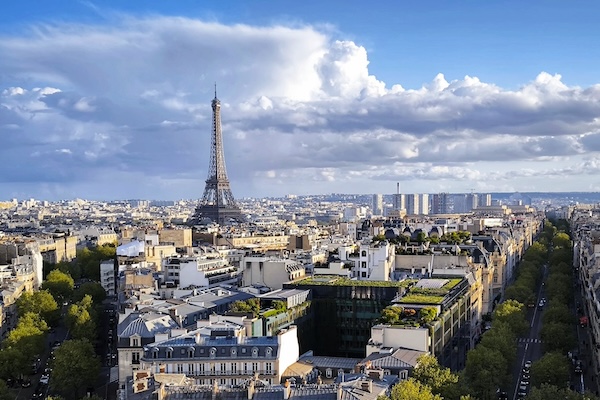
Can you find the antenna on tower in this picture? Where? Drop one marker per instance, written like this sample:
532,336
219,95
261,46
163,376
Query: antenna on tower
397,187
215,90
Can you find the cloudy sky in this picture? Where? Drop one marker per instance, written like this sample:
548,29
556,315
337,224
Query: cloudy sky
111,99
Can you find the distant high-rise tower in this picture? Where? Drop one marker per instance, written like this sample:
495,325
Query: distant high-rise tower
217,202
377,204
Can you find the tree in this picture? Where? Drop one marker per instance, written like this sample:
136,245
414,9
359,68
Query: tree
429,372
14,363
40,302
80,319
558,337
94,289
485,371
512,313
391,315
59,284
552,368
412,389
28,336
4,392
501,338
519,292
75,366
546,391
421,237
428,314
558,313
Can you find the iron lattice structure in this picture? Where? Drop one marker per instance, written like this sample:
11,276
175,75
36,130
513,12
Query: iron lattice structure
218,203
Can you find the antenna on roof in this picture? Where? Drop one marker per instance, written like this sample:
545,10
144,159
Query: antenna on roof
215,90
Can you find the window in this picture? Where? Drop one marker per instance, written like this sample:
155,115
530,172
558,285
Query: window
170,352
179,368
191,368
155,353
201,368
403,374
254,352
245,368
213,368
363,264
233,351
135,342
233,368
223,368
191,352
269,351
254,367
328,373
340,372
135,358
213,352
364,253
268,368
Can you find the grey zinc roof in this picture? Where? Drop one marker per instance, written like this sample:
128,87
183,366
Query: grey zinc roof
146,325
400,358
331,362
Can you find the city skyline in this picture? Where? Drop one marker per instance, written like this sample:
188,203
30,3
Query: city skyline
111,100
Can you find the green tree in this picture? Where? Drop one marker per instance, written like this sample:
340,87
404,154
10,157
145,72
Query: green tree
80,319
59,284
94,289
512,313
519,292
14,363
412,389
391,315
40,302
75,366
546,391
429,372
421,237
561,240
501,338
552,368
29,335
428,314
4,392
558,313
486,370
558,337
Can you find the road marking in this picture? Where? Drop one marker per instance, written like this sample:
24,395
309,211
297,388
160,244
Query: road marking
520,371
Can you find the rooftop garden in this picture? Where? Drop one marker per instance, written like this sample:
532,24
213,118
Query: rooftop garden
419,295
400,316
333,280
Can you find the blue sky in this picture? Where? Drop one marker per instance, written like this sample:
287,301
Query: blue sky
343,96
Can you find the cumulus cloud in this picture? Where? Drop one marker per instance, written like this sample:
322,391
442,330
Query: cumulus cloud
301,113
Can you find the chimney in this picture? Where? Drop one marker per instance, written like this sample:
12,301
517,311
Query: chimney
367,385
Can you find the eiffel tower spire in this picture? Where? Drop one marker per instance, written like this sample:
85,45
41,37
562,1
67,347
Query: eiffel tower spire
217,202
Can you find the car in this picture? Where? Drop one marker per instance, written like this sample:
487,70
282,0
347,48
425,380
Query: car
527,364
525,376
524,382
44,379
26,383
541,304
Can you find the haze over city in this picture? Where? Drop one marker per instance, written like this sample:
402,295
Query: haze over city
111,99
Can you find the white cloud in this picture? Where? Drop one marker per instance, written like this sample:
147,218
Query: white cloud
301,112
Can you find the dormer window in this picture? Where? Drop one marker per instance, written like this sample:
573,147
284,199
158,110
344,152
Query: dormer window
155,353
213,352
254,352
191,352
169,352
269,351
233,352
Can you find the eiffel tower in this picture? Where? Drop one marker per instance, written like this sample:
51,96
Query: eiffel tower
217,202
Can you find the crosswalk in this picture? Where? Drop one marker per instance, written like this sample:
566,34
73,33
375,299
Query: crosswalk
529,340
